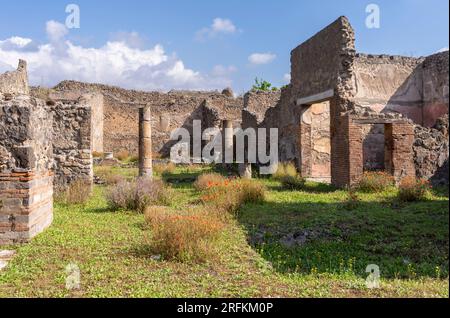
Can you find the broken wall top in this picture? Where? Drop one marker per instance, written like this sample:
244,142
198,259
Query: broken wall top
324,62
25,135
15,82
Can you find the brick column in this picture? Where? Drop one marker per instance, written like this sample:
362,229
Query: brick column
399,155
355,152
145,142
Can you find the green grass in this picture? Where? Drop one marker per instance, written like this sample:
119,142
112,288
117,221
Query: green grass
409,242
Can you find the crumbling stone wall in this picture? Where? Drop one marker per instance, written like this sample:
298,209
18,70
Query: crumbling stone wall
435,88
16,82
258,102
398,143
72,142
26,158
414,87
389,83
431,152
276,110
325,61
385,89
92,100
170,110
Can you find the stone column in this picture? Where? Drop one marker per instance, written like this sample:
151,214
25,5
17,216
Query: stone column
145,142
245,170
228,142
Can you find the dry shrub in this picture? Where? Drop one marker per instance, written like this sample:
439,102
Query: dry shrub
97,154
229,195
122,155
374,182
138,194
253,191
285,170
353,201
133,159
78,192
165,168
113,179
106,174
293,183
205,181
184,236
411,189
289,177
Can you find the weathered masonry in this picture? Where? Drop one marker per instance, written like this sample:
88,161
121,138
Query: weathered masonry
44,145
26,178
117,113
345,112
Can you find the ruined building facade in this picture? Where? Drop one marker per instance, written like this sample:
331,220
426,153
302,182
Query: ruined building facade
345,113
117,113
342,114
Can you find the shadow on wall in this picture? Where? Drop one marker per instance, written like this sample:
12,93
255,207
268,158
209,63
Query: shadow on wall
197,114
440,177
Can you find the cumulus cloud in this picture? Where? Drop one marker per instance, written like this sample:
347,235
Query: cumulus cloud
220,70
55,31
287,78
132,39
118,62
218,26
261,58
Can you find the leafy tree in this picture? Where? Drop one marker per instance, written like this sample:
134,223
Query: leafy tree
262,85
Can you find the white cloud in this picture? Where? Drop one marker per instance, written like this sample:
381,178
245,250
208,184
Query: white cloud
220,70
261,58
287,78
444,49
223,25
132,39
56,31
15,42
118,62
219,26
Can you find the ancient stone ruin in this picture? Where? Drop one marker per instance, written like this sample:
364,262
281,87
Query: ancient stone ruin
345,112
26,160
342,114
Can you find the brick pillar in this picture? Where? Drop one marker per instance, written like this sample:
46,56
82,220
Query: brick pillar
26,182
339,150
26,205
399,155
355,152
346,151
145,142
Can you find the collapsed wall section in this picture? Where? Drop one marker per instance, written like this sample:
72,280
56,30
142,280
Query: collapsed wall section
431,152
389,83
15,82
175,109
72,142
435,70
26,180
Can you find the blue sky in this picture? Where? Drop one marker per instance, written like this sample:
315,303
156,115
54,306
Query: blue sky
187,49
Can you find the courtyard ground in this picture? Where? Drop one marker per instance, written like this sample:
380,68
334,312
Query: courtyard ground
296,244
